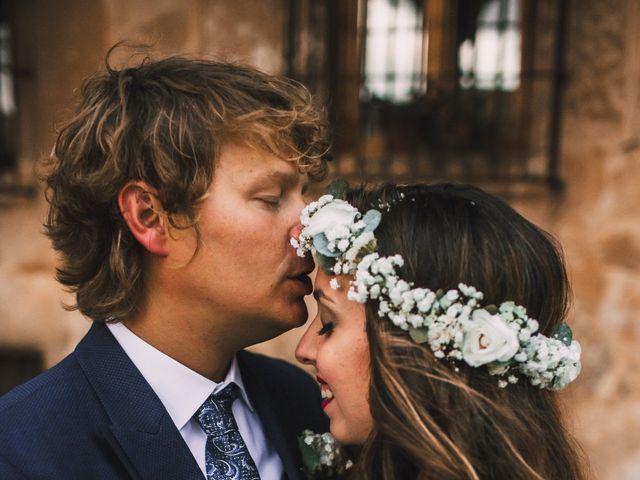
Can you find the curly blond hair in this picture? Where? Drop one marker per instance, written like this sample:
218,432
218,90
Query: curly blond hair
163,122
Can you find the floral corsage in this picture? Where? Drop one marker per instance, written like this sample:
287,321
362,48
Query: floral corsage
323,456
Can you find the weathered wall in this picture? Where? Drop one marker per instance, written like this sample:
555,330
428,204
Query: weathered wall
599,225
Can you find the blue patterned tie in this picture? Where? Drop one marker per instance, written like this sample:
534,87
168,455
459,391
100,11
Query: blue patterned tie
226,454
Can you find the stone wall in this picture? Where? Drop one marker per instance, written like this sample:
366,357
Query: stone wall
599,225
596,219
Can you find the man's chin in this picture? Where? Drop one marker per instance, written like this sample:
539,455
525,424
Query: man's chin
295,316
269,327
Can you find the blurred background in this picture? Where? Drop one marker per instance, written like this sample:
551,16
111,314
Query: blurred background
536,101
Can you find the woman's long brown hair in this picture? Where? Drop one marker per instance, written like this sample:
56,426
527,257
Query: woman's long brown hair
443,421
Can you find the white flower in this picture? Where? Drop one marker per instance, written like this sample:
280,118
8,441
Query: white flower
357,296
426,303
470,292
384,308
333,217
334,283
324,199
488,339
343,244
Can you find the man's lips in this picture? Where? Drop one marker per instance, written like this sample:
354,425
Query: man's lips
305,283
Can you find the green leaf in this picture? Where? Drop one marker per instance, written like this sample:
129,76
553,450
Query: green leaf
338,188
372,220
325,263
310,457
419,335
321,243
492,309
439,294
563,333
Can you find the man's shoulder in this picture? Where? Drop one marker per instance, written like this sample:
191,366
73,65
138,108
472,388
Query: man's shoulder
55,400
39,391
41,414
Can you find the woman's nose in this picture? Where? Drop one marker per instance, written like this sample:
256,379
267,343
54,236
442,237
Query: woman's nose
306,349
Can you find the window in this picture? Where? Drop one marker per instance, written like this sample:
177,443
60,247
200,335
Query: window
7,102
489,57
7,97
393,50
17,107
425,90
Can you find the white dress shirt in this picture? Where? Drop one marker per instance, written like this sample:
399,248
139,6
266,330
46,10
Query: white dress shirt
182,391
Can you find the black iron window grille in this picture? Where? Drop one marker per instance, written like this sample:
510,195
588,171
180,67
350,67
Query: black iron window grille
15,180
425,90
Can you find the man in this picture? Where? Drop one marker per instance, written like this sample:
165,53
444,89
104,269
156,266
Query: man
173,193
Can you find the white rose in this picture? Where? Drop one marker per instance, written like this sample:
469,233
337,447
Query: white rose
332,216
488,339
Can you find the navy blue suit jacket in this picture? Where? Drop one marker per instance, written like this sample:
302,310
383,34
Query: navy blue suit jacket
93,416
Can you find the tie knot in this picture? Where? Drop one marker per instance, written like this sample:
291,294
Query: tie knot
217,408
227,395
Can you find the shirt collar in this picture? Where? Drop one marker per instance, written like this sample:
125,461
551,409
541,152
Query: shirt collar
181,390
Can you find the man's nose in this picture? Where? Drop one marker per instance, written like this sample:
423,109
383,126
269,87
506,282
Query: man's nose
296,230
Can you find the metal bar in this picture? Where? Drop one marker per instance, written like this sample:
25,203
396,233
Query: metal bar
291,30
555,122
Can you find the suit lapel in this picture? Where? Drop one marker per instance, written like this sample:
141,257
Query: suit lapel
141,433
270,404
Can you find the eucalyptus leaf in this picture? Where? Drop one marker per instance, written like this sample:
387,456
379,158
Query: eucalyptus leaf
338,188
419,335
439,294
325,263
310,457
563,333
492,309
371,220
321,244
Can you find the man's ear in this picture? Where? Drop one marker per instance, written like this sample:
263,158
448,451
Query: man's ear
145,217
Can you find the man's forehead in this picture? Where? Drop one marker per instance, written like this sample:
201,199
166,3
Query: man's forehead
257,162
272,167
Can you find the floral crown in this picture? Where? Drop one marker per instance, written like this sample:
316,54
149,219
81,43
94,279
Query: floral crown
454,324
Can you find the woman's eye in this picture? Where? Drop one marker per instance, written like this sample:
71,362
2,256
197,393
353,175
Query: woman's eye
326,329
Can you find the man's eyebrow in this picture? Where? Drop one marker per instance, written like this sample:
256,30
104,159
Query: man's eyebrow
284,177
273,178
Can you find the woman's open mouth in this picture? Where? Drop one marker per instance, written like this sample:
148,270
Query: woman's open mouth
327,397
325,393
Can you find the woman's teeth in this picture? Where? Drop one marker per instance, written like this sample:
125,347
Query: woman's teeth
326,394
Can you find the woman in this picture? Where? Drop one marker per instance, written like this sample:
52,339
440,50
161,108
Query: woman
423,350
